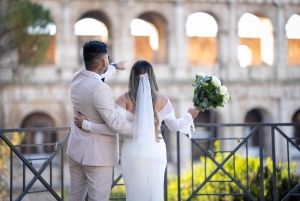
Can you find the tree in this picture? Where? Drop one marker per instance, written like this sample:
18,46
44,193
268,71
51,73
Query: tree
24,38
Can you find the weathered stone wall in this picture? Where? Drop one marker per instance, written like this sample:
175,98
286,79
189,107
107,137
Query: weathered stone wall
274,90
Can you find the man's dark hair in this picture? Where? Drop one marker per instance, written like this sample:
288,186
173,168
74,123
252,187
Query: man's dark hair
92,54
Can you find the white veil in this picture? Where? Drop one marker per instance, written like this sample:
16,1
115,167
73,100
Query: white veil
144,129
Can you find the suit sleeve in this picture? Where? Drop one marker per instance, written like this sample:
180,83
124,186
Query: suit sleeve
105,105
109,73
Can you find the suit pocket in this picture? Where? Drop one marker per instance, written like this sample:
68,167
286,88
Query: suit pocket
106,138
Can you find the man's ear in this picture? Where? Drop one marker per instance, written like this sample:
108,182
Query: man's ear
102,62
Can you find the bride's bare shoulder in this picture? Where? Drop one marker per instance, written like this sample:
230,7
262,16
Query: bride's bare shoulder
122,100
161,101
125,102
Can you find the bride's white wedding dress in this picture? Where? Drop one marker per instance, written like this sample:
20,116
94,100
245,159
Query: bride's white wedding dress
144,175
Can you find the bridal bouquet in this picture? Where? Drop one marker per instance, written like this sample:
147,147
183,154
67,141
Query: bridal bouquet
208,92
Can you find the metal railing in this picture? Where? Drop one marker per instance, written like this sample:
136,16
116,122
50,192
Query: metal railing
273,132
27,162
243,143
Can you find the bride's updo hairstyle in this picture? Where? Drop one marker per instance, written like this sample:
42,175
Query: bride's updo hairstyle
142,67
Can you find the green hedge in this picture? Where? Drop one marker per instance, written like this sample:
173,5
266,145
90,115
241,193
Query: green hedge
240,175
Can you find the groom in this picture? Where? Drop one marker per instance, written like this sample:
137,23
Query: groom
92,156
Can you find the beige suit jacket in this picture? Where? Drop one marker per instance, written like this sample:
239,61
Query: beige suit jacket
94,99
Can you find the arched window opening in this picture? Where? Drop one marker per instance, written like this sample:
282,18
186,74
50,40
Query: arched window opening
38,137
202,29
88,29
149,32
46,34
256,44
253,117
208,116
146,39
293,34
91,27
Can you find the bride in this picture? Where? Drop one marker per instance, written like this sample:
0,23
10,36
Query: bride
144,156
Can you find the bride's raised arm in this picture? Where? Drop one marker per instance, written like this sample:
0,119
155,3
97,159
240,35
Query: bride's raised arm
182,124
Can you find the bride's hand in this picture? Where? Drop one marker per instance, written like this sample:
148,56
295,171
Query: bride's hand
79,120
194,112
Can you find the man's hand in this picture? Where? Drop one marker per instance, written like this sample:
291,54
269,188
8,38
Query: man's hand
121,65
79,120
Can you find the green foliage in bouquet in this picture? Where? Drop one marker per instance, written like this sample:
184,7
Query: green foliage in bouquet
240,175
208,92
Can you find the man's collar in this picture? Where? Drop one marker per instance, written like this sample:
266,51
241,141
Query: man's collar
91,74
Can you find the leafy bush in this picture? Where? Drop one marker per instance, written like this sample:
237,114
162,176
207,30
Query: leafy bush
236,167
4,169
118,191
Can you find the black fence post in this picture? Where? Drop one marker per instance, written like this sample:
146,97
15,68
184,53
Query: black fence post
274,164
178,165
261,167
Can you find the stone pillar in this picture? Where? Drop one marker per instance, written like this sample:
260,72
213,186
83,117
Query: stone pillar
288,130
222,52
67,44
233,43
178,50
123,41
280,44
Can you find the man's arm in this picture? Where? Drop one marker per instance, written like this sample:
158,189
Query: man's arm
105,105
109,73
99,128
112,69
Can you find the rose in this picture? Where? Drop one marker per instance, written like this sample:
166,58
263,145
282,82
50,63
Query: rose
202,74
216,81
226,97
223,90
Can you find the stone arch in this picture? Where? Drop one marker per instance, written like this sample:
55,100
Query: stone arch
51,54
202,49
156,13
256,50
142,43
289,14
258,115
38,119
206,117
293,54
99,16
257,10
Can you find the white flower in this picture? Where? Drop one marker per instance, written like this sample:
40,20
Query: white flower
202,74
223,90
226,97
216,81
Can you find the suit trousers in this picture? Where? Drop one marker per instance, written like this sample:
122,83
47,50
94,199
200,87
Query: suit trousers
94,180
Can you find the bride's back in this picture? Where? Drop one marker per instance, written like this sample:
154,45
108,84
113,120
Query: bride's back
126,103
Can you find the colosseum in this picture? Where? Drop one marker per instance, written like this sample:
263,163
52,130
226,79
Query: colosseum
253,46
